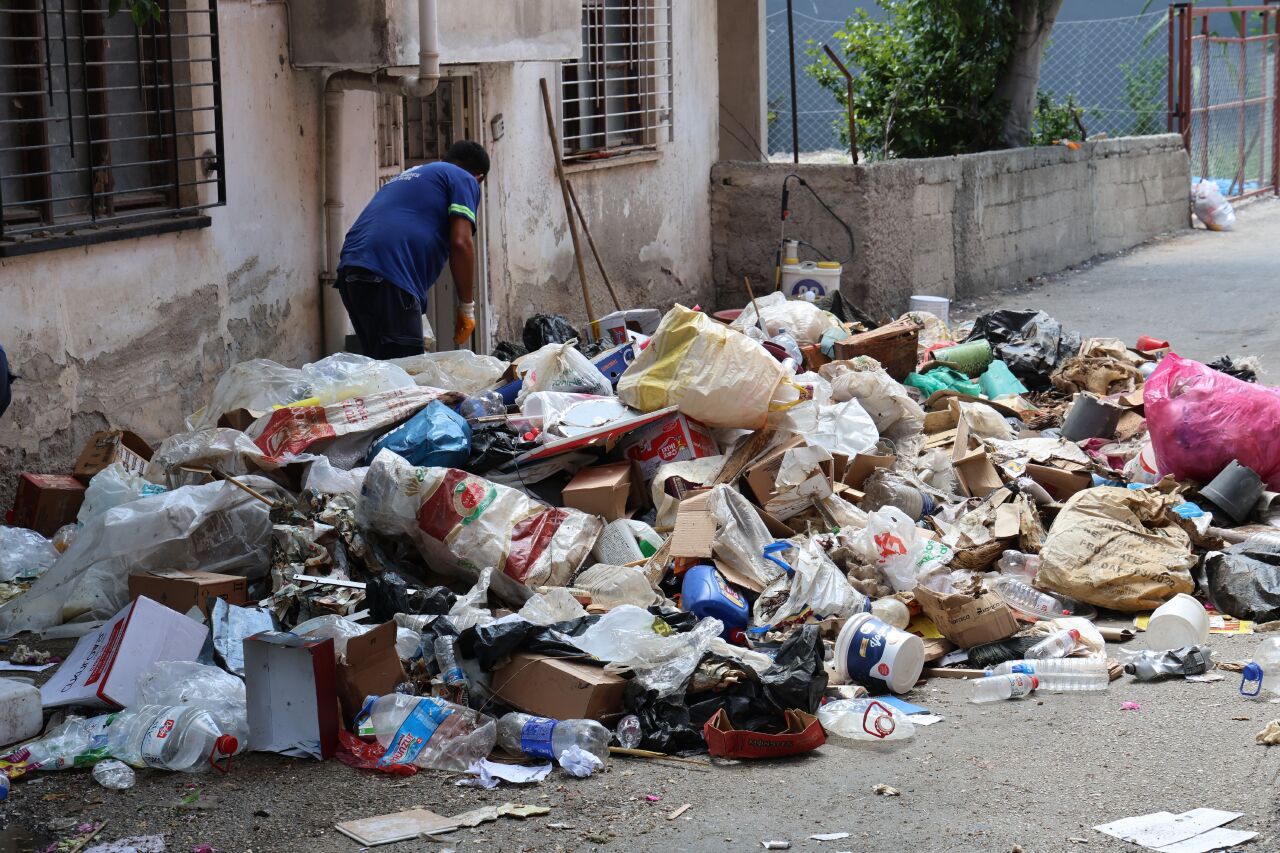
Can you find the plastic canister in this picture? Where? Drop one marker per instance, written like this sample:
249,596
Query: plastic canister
878,655
1180,621
705,593
810,280
938,306
21,713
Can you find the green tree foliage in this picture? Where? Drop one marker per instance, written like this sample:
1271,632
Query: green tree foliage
1055,120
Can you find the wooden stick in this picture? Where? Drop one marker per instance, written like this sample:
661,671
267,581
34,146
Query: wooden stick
675,814
239,485
746,279
660,756
568,206
573,196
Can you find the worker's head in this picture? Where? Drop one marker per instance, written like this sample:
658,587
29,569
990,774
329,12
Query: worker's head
470,156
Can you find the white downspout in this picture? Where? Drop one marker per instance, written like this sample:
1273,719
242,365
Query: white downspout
333,314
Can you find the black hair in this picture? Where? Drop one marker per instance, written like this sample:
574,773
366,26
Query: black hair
468,155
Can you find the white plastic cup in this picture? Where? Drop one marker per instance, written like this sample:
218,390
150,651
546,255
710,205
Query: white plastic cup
938,306
877,655
1180,621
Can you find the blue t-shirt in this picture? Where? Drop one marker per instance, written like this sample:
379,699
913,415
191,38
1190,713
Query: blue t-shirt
403,233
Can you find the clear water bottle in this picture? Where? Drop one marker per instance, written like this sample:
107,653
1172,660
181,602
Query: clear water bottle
1027,599
446,651
1059,644
482,405
788,342
994,688
543,737
1261,676
429,732
1067,675
1023,566
181,738
77,742
1152,665
628,732
114,774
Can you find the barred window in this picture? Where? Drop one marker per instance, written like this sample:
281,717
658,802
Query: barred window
107,129
617,96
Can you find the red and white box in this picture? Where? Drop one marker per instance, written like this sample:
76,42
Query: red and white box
675,438
104,666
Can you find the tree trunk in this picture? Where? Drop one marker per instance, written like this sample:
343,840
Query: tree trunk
1021,75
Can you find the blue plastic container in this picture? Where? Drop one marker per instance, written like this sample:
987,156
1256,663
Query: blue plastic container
705,594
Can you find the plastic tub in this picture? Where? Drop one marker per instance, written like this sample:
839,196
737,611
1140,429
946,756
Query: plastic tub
1180,621
877,655
21,713
705,594
938,306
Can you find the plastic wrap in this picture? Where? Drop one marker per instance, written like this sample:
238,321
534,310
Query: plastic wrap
24,554
805,321
814,588
111,487
454,370
561,368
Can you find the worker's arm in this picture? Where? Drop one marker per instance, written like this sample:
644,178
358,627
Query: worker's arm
462,263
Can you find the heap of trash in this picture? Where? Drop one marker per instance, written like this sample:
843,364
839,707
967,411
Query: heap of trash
663,535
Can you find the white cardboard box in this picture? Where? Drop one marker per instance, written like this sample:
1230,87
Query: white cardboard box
104,666
290,685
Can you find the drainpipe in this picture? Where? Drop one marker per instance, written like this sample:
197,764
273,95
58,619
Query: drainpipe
420,85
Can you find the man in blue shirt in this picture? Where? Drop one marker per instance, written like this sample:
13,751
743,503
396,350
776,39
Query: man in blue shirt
398,247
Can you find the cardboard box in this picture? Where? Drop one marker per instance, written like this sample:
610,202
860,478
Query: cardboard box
803,734
372,668
854,472
606,490
557,688
975,474
103,668
695,527
762,474
290,687
45,502
1058,483
111,446
965,620
183,590
674,438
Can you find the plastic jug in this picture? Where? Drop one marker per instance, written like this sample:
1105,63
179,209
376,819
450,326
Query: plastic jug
21,713
705,593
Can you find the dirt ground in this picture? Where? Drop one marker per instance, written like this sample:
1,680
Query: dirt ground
1034,775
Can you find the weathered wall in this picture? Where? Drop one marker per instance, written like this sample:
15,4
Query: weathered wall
649,217
132,334
951,226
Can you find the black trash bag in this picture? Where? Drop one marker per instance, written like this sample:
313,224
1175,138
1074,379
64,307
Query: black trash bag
543,329
674,724
490,645
387,594
1225,364
680,620
797,678
494,445
1031,343
994,654
1244,581
665,725
509,351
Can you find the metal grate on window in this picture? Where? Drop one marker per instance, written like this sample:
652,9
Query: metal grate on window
429,126
617,96
105,123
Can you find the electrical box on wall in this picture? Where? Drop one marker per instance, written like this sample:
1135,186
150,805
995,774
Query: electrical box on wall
371,34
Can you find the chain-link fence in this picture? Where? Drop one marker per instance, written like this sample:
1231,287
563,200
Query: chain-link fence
1115,69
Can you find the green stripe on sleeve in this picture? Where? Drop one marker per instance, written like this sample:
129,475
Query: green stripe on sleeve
462,210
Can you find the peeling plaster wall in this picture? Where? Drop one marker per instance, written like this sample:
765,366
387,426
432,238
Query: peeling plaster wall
132,334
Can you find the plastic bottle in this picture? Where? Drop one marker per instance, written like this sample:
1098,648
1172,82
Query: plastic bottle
429,732
179,738
543,737
891,611
867,720
482,405
4,787
883,490
993,688
450,670
1069,675
1057,645
1027,599
628,732
77,742
785,340
1152,666
114,774
1023,566
1262,675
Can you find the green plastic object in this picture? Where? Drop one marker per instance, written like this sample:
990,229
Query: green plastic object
943,379
999,381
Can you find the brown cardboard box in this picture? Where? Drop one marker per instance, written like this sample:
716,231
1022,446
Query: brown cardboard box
975,474
183,590
604,490
45,502
372,668
965,620
695,527
1058,483
762,474
560,689
112,446
854,472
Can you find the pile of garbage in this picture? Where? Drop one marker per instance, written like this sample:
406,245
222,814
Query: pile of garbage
738,536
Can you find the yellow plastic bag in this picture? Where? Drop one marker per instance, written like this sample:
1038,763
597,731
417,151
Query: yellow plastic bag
713,373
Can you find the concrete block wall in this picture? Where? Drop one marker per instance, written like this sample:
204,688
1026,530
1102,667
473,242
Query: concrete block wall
950,226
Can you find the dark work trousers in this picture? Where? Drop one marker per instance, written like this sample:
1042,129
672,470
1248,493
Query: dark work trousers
387,319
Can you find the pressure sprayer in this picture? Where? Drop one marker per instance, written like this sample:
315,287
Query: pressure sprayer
809,280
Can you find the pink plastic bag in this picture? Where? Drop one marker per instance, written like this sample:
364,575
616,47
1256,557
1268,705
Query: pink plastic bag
1200,419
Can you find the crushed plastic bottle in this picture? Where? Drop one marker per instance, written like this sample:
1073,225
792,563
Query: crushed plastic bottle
994,688
1067,675
1261,676
1059,644
4,787
1188,660
543,737
114,774
1020,565
1027,599
891,611
451,674
788,342
77,742
628,733
181,738
195,685
868,720
482,405
429,732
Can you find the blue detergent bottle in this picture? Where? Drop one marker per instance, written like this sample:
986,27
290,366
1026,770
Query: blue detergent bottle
706,594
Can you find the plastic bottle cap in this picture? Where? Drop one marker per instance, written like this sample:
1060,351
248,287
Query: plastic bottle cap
226,744
1075,633
791,261
828,265
1035,682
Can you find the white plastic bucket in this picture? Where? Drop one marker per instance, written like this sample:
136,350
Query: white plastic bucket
1180,621
877,655
938,306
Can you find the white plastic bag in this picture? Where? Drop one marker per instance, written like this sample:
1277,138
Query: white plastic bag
111,487
560,367
844,428
1212,208
816,587
892,542
24,553
805,321
632,639
896,416
555,605
611,586
454,370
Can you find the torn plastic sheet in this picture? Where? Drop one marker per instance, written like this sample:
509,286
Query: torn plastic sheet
230,625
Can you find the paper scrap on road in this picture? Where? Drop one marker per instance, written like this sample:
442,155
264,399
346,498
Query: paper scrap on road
1196,831
10,666
829,836
488,773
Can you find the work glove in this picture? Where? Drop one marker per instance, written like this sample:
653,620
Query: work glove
465,323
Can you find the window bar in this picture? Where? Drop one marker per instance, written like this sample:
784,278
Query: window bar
137,60
48,71
215,52
66,80
173,105
156,93
88,123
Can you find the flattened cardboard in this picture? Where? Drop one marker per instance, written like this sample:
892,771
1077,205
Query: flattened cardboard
965,620
389,828
558,688
103,669
111,446
762,475
290,688
182,589
695,527
372,668
803,734
737,578
604,490
1058,483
